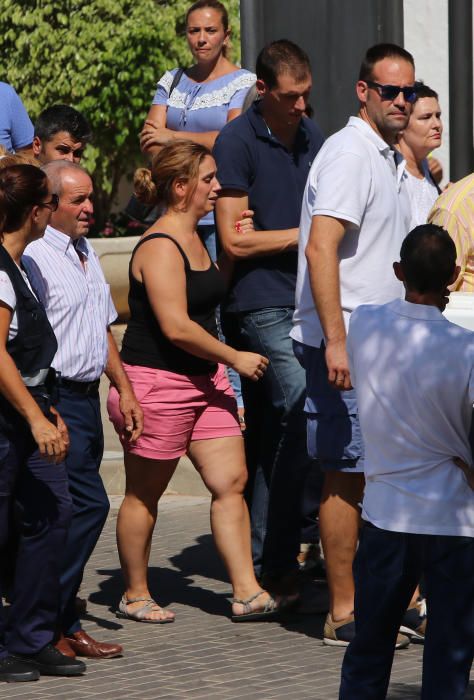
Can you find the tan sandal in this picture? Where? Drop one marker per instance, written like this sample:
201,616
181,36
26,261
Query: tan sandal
139,614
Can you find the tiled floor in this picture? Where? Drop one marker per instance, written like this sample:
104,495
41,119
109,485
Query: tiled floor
201,655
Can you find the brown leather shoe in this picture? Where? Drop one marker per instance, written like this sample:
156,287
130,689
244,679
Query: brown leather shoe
83,645
64,647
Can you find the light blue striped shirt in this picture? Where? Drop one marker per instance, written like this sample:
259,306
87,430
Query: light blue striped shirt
77,301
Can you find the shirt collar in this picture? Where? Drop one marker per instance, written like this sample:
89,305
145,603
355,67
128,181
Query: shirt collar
396,160
263,132
370,134
62,242
419,312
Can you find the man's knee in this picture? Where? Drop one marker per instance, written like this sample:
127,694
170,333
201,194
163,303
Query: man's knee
348,486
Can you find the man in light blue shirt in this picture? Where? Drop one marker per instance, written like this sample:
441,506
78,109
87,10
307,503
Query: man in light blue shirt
67,276
16,129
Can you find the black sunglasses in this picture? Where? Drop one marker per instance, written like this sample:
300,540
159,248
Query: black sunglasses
390,92
53,204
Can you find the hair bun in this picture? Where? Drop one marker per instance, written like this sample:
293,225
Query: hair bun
144,187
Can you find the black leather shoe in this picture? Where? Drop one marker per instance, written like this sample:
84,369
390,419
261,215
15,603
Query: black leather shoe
50,662
12,670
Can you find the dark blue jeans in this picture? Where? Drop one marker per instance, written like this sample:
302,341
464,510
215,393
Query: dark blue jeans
90,502
275,437
387,568
40,491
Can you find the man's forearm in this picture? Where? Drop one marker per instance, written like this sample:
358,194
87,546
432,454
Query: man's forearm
254,244
114,368
323,268
249,243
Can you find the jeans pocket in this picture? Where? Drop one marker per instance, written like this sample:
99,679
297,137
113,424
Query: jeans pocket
266,318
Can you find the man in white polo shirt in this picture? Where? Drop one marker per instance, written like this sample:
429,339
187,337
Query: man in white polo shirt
354,217
413,372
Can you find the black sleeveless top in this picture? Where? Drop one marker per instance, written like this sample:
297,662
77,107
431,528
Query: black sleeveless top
144,343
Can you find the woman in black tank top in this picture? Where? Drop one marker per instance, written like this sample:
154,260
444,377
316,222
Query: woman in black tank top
176,366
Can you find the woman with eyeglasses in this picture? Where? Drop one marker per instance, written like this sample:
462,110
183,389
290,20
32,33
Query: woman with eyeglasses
33,440
421,136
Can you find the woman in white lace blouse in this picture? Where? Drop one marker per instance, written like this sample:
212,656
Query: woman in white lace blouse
207,95
196,103
421,136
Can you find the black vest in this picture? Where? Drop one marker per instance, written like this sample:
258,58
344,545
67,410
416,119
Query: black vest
35,344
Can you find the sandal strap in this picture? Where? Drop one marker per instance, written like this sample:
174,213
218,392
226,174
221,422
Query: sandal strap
247,601
127,601
150,606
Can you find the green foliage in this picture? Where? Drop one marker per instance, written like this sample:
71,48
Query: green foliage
103,57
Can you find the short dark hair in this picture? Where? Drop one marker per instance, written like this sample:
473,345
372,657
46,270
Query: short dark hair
428,258
378,53
282,56
58,118
423,90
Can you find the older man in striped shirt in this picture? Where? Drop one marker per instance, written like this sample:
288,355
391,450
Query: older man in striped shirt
454,211
68,279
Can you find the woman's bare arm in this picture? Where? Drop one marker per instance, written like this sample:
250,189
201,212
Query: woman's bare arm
49,439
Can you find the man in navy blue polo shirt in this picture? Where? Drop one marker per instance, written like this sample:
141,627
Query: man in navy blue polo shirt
263,159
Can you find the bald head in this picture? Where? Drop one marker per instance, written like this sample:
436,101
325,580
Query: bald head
57,170
74,188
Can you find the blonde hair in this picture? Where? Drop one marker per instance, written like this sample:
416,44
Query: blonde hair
178,160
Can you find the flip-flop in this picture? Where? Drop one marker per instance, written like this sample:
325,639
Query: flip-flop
139,614
269,612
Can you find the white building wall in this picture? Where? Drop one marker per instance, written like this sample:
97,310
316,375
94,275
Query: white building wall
426,37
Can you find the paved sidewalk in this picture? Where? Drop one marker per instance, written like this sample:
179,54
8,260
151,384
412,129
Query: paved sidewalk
202,655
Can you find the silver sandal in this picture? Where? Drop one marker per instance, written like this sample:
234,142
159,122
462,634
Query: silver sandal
269,612
139,614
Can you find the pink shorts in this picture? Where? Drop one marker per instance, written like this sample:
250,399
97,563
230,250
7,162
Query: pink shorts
177,409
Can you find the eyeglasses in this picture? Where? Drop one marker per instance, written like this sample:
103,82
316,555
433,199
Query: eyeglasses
53,204
390,92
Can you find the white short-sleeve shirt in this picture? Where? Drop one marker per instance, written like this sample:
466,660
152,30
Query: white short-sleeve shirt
358,178
8,296
413,373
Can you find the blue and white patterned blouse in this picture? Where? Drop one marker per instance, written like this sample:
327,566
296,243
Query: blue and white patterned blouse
202,106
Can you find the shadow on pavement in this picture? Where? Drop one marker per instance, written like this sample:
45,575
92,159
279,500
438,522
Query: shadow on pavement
174,585
167,586
200,559
403,691
181,584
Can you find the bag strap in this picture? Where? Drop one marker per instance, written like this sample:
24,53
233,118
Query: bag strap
177,77
438,188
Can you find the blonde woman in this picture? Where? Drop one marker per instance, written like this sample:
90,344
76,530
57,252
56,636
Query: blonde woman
176,365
